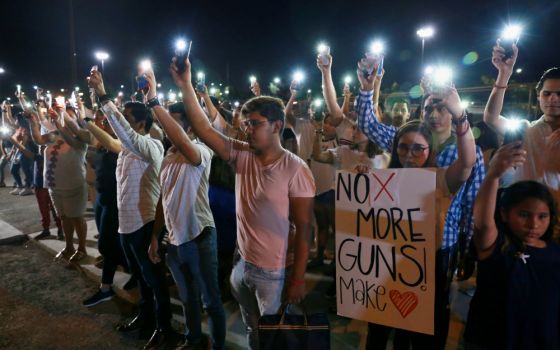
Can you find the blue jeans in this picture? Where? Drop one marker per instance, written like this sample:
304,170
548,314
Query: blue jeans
26,165
258,292
109,244
151,277
194,266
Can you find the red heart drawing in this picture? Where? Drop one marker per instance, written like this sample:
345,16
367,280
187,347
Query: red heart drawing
405,302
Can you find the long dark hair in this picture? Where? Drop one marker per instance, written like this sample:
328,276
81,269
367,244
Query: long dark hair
412,126
512,196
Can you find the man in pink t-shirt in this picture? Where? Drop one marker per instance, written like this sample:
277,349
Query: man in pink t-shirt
272,187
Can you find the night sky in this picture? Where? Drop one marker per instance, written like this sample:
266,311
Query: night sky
265,38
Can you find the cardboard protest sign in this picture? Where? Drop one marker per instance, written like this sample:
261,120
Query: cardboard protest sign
385,247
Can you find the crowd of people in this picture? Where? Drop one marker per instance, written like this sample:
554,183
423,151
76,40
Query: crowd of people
159,171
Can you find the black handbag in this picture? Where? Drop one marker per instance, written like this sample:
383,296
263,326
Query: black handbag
288,331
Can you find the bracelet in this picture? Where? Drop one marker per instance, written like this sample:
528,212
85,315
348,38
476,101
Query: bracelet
153,102
463,133
460,120
104,98
500,86
296,282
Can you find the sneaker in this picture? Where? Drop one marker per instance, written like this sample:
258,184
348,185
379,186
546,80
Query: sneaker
15,191
99,297
77,256
43,235
25,192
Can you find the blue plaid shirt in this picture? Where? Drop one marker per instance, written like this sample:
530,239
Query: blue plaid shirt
461,208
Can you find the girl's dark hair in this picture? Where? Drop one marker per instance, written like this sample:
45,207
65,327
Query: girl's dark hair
412,126
511,196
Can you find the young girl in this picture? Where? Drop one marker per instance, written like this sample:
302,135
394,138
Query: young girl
413,147
517,300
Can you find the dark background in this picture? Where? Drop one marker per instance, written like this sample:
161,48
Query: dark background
265,38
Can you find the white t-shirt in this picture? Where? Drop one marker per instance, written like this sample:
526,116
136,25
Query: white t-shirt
535,168
184,194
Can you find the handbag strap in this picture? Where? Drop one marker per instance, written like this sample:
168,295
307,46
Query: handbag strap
283,312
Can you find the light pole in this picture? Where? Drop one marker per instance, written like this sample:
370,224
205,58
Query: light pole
102,56
424,33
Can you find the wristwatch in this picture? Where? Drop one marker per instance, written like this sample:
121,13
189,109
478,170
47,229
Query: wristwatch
153,102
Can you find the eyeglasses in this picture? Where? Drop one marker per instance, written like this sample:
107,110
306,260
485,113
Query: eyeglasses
416,149
252,123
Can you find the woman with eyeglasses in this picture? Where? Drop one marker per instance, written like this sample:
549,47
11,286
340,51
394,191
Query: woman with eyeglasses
413,147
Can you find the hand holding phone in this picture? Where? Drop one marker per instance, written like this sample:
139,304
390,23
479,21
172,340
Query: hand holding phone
182,52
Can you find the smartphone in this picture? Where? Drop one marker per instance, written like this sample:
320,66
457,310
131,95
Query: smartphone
368,64
201,83
181,56
506,45
518,134
323,56
60,101
380,66
142,83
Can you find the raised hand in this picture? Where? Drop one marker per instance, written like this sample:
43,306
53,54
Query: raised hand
498,58
95,81
180,79
507,156
324,68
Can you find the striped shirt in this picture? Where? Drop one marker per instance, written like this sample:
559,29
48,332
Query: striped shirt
138,168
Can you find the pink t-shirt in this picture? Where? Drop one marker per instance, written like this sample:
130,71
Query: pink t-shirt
262,203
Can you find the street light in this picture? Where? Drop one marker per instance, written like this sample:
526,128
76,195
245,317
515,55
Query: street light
102,56
2,71
425,33
519,70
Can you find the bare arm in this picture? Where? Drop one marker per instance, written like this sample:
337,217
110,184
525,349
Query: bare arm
347,98
212,110
36,132
301,209
288,111
82,135
460,170
68,136
496,100
106,140
485,231
318,154
329,92
173,130
218,142
7,114
159,223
